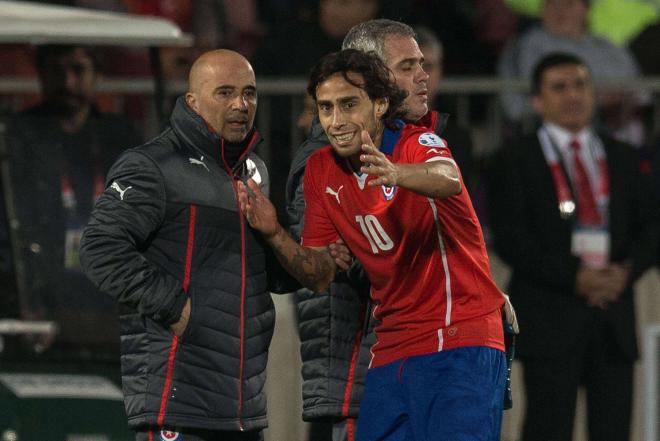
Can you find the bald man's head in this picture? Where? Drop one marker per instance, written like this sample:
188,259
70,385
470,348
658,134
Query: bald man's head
222,90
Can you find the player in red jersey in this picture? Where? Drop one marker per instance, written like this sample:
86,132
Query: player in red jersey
439,369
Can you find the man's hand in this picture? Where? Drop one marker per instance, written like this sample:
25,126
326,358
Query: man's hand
341,254
179,327
599,287
434,179
377,164
257,208
510,314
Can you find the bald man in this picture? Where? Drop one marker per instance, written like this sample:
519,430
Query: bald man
167,241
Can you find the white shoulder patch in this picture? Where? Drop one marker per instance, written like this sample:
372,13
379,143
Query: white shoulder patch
430,139
253,171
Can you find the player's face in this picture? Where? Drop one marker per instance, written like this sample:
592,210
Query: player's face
566,97
344,111
403,57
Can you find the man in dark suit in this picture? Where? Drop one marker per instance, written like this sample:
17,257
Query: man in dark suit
570,216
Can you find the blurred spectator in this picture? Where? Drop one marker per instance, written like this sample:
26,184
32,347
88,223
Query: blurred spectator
458,138
572,217
563,28
619,21
59,153
292,48
304,121
472,32
227,23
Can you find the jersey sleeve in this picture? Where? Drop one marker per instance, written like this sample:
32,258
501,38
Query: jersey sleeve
318,229
427,147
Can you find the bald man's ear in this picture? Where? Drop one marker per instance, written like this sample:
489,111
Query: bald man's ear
191,100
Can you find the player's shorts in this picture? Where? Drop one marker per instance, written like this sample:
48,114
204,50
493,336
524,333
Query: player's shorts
452,395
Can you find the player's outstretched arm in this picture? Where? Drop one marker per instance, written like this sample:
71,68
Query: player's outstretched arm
314,268
436,179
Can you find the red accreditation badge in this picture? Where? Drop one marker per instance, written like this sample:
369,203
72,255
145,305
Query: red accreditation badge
592,245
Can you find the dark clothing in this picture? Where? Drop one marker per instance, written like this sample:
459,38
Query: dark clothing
558,325
168,228
608,377
54,178
336,328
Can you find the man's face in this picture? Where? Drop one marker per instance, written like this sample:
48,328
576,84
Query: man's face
403,57
566,97
565,17
433,67
344,111
226,99
68,80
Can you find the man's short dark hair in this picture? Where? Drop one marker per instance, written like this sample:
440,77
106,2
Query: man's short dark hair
378,80
549,61
370,36
47,51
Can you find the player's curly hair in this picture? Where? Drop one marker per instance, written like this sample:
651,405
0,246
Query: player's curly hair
378,80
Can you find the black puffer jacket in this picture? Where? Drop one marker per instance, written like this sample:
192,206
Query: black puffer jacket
167,228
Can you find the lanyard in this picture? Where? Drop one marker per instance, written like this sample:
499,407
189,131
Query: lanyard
565,193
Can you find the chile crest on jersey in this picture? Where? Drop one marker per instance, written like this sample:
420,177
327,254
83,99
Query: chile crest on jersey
388,192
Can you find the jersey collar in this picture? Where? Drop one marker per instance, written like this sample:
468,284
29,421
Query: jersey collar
391,137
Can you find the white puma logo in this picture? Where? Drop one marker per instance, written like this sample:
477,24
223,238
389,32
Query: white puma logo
121,192
198,162
433,151
334,193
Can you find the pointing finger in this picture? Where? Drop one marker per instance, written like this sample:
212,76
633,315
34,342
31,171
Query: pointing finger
366,139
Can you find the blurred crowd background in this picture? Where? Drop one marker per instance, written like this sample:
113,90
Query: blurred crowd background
479,55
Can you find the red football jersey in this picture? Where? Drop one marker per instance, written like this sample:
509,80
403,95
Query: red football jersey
426,258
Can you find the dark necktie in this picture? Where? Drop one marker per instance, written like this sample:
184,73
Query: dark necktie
587,210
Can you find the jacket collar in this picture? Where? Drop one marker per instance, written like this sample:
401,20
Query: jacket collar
194,132
434,121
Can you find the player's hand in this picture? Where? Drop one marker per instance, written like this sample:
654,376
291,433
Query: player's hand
341,254
376,164
510,314
257,209
179,327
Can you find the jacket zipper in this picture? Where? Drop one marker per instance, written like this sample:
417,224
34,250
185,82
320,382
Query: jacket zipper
243,269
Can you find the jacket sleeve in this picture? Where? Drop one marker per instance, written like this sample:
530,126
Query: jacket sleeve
126,216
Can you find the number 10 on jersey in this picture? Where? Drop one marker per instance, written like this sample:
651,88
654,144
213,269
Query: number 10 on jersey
374,232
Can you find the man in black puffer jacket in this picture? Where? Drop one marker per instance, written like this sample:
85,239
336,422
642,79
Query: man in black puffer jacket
336,328
166,240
